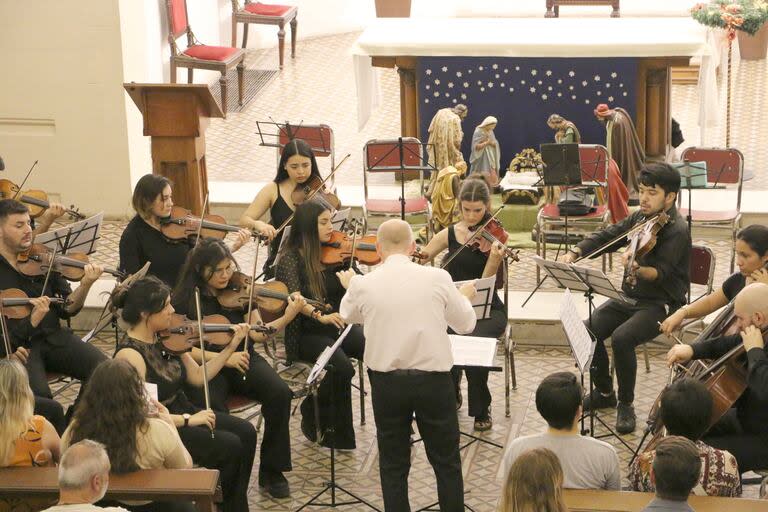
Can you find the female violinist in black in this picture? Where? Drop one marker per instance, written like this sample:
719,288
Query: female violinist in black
142,240
297,164
146,309
210,267
471,263
299,267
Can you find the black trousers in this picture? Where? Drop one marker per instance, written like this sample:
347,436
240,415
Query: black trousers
477,378
231,451
51,410
397,396
310,347
750,450
264,385
68,355
628,326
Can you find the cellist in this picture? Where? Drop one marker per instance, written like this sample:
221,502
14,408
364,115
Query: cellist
661,285
743,430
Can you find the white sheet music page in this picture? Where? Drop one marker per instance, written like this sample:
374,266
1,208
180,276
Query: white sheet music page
472,350
481,302
576,332
326,354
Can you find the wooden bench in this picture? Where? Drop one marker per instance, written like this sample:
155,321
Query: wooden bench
625,501
198,485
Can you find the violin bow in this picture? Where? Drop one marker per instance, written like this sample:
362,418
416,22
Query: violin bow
25,180
202,349
51,263
6,339
250,297
474,235
200,226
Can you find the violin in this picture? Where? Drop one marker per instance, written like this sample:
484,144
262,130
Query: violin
339,249
36,200
314,188
270,297
183,333
181,225
490,233
16,303
642,241
36,260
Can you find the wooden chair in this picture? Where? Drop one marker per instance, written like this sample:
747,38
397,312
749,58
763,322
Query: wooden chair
200,56
265,14
553,6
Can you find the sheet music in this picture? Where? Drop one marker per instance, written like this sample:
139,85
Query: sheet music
562,273
472,350
325,356
79,236
577,334
340,218
600,284
482,300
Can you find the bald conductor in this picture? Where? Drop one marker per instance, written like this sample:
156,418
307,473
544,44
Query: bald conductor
743,430
405,310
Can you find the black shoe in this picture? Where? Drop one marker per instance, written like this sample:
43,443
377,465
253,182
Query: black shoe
625,418
274,483
599,401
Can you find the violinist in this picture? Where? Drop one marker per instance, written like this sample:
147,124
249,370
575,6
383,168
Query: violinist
210,267
146,309
751,258
297,165
471,263
311,332
661,284
41,343
142,239
743,430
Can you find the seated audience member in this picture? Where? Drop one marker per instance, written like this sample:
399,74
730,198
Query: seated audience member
115,410
675,472
686,407
587,463
25,438
534,484
83,479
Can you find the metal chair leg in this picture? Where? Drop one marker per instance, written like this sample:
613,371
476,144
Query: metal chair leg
362,391
645,355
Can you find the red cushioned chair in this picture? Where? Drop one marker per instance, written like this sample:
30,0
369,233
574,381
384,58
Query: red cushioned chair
265,14
200,56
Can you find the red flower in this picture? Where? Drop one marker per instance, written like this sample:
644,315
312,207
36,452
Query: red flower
733,8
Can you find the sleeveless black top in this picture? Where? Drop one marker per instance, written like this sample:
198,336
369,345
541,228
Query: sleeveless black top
278,214
469,264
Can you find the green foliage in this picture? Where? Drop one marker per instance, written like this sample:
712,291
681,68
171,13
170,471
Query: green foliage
745,15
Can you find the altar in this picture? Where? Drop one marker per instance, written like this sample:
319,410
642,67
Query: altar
522,69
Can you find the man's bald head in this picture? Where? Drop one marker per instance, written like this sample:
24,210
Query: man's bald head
752,303
394,237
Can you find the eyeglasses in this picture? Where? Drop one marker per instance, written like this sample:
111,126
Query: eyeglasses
226,270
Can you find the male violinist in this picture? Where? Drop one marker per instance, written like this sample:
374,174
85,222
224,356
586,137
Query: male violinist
743,430
659,288
39,340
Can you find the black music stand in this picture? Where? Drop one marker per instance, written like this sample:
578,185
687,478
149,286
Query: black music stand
562,167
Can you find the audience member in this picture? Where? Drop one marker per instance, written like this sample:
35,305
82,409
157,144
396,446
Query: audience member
675,472
587,463
534,484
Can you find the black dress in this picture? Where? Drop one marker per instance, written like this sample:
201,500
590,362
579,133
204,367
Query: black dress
306,338
262,384
470,264
278,214
232,449
141,243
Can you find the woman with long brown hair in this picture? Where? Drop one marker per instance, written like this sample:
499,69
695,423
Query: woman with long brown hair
534,484
301,269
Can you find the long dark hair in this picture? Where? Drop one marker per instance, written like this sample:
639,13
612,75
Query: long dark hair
305,240
295,147
201,261
112,408
146,295
147,189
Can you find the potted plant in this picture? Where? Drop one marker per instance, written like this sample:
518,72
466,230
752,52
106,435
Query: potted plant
746,19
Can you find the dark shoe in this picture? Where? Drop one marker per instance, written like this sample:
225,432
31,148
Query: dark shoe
274,483
484,424
625,418
599,401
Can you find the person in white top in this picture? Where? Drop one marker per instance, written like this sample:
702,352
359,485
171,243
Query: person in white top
83,479
405,310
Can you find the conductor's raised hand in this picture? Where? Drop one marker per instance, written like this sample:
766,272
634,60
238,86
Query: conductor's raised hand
468,290
345,276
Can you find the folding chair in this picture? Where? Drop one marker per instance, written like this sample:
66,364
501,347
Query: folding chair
725,167
246,407
266,14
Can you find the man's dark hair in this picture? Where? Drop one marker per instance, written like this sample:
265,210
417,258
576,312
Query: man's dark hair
11,207
686,407
558,398
676,468
663,175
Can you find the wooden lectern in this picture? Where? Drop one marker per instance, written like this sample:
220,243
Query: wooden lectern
176,116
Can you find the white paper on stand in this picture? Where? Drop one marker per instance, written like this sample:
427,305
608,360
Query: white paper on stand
83,236
482,300
325,356
472,350
577,334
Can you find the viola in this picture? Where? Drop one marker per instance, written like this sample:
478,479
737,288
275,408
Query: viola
339,249
183,333
271,297
314,188
181,225
16,303
490,233
642,241
36,260
36,200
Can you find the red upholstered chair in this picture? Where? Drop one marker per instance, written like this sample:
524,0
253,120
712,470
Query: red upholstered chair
265,14
200,56
725,168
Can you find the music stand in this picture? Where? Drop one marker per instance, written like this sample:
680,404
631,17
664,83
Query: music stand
687,181
79,236
562,167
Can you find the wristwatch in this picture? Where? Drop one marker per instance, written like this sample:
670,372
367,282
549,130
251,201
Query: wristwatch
186,419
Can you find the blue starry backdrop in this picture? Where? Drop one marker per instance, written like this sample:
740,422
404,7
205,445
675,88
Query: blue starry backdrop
522,92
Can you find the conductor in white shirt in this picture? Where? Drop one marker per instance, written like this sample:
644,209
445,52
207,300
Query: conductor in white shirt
405,310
